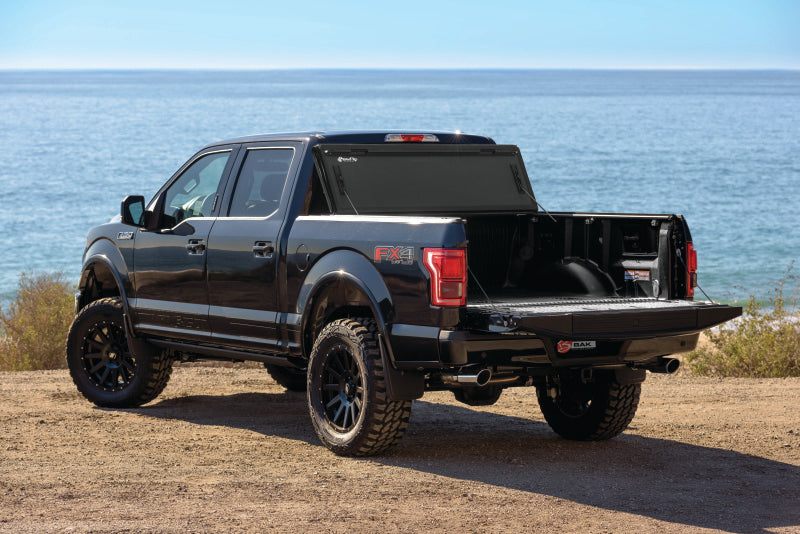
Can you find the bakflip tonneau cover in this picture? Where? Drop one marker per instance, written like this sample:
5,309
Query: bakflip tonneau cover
425,179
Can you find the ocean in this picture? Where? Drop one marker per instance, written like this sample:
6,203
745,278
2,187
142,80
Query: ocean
720,147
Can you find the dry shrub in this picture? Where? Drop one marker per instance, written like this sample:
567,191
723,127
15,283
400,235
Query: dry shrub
764,343
35,325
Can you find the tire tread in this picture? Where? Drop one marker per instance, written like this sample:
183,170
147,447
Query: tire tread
619,412
609,415
290,378
156,374
387,420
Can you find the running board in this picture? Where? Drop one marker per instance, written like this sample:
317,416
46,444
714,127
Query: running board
219,352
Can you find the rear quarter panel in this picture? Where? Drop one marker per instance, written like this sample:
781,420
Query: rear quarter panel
321,245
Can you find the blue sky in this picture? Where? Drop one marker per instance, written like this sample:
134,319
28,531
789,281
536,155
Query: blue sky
400,34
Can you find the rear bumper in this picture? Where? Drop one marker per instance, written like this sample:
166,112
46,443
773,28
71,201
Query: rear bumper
622,334
466,348
433,349
461,347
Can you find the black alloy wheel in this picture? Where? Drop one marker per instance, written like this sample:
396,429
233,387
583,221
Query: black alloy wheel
342,388
347,398
109,369
107,360
574,403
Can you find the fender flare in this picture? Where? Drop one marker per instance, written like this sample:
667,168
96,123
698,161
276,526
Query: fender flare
350,267
105,252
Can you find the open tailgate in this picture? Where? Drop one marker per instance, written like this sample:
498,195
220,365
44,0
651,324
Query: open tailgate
620,318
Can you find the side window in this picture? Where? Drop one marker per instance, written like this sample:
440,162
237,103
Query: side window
260,183
193,193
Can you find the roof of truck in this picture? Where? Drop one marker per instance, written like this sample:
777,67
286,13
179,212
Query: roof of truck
355,136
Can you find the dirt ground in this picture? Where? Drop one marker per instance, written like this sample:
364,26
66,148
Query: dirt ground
226,449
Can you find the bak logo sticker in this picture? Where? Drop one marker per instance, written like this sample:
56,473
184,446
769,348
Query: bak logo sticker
394,255
637,275
125,235
566,346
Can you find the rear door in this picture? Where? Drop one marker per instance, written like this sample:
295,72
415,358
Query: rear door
243,247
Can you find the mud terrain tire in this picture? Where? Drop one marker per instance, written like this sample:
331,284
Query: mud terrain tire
292,378
590,412
347,396
103,366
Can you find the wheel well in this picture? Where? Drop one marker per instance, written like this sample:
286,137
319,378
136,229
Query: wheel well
97,282
337,300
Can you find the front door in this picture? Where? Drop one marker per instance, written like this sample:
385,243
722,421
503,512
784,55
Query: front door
243,249
171,295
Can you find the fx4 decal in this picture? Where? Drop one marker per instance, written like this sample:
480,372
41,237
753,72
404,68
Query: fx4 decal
395,255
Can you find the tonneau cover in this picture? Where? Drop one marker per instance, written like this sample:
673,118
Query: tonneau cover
425,179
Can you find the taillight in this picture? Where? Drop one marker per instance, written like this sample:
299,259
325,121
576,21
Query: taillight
448,270
691,269
411,138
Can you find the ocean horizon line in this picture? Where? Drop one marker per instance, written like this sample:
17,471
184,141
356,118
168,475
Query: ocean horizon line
397,69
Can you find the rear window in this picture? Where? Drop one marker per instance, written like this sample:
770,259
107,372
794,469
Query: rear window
425,179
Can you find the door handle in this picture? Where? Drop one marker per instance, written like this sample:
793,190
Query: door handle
196,246
263,249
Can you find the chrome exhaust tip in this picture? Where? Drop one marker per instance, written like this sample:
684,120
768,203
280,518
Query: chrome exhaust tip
664,365
480,379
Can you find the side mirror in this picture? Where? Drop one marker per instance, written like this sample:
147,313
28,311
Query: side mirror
132,210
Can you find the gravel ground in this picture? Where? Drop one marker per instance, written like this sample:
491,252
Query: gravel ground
226,449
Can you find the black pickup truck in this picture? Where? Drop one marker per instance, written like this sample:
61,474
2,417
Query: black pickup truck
369,267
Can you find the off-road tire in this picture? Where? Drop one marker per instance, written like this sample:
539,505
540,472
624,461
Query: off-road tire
348,348
113,375
478,396
291,378
590,412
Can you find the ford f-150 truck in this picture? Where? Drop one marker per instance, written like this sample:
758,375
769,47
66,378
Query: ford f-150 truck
367,268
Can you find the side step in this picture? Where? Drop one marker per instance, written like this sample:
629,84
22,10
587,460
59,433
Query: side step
220,352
